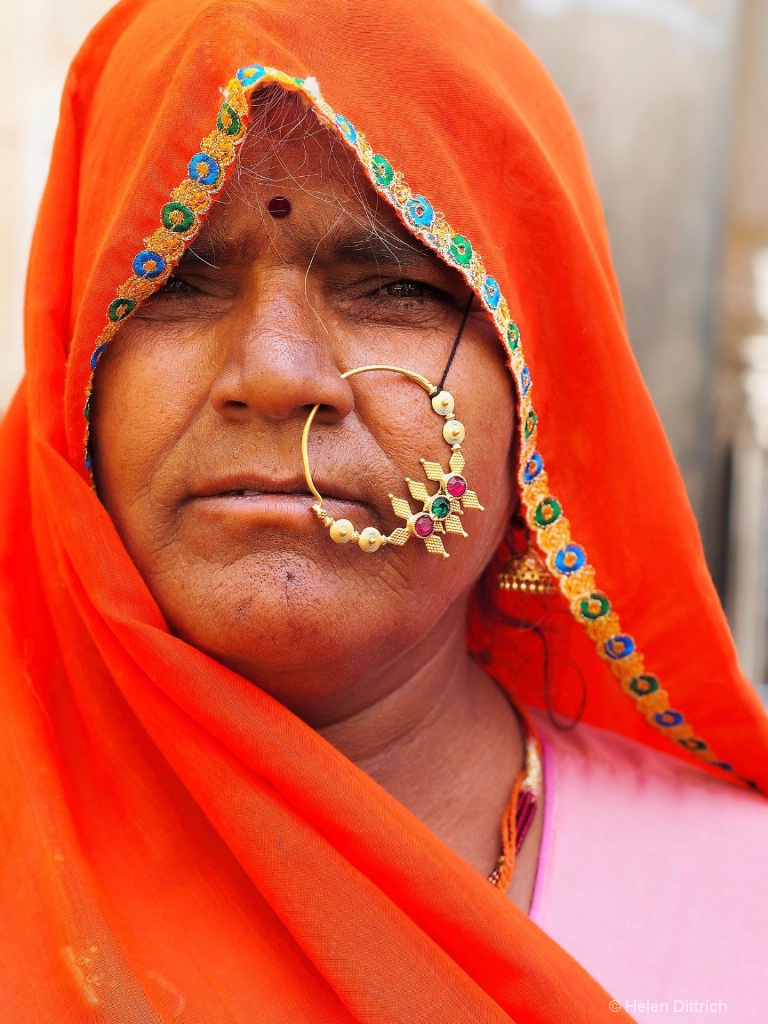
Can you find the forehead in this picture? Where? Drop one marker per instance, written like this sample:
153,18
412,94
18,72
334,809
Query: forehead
286,142
334,208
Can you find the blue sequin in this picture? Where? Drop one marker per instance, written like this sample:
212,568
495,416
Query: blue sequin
204,168
97,354
492,292
88,465
525,380
534,467
570,559
251,74
619,647
723,764
669,718
419,212
347,128
148,264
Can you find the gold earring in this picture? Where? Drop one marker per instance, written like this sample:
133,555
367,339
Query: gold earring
525,570
440,511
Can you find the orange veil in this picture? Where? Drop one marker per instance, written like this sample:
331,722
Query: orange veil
177,846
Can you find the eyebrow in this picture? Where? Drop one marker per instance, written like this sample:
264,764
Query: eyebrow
374,247
350,242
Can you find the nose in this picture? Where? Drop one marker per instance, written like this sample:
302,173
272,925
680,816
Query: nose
276,355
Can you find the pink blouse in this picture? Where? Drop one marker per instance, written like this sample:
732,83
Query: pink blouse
655,878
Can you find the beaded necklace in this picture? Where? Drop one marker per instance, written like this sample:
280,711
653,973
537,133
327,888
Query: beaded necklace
521,809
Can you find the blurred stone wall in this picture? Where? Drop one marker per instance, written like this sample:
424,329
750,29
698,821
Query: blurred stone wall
743,364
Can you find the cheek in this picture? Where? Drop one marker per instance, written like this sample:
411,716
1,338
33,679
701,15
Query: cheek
144,397
490,446
485,401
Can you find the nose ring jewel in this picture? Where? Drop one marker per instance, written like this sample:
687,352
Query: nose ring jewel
440,512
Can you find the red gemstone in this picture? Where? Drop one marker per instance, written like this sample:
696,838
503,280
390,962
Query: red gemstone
456,486
424,526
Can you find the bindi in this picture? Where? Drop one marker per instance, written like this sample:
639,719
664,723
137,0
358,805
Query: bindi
278,207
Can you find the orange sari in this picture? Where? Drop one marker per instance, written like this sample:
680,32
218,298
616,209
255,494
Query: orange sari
176,845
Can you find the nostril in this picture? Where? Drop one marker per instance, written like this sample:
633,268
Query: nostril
327,413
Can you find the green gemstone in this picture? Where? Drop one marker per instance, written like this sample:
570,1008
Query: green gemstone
530,423
547,512
642,685
120,308
228,120
383,171
461,250
441,507
513,336
177,217
595,606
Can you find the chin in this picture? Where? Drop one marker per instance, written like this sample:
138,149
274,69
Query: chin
285,616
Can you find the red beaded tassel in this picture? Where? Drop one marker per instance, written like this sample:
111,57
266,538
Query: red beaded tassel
520,811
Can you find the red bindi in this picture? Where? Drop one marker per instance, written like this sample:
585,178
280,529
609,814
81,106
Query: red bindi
278,206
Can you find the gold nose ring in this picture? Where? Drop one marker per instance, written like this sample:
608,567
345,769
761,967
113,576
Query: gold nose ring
440,512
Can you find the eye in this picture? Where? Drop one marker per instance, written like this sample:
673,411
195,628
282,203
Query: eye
406,290
176,299
176,286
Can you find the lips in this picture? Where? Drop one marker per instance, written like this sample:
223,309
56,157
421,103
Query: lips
245,493
277,506
248,492
255,484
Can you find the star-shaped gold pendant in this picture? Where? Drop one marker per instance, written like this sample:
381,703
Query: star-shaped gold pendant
440,511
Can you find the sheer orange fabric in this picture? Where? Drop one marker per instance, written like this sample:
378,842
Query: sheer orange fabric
176,845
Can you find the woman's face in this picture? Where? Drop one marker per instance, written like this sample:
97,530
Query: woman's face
200,402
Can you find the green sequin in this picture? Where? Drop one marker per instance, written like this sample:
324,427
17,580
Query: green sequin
461,250
383,171
595,606
642,685
119,309
513,336
229,121
177,217
530,423
548,511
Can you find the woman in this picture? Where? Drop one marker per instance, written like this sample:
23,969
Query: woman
253,774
